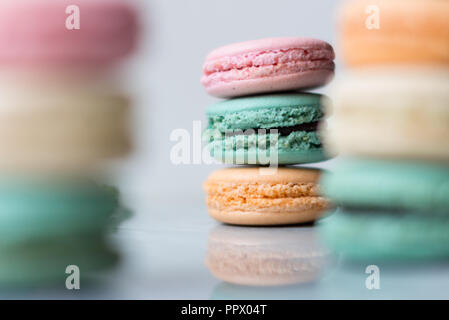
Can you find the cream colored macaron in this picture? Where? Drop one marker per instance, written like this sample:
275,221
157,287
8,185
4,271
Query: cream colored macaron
391,112
49,126
254,196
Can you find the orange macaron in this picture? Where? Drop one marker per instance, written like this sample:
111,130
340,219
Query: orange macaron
254,196
376,32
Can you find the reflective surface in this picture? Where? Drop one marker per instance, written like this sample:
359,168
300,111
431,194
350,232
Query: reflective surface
175,251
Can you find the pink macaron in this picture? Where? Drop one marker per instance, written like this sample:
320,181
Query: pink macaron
268,65
35,32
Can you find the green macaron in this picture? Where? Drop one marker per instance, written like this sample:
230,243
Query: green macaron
33,209
48,223
275,128
389,210
366,235
399,185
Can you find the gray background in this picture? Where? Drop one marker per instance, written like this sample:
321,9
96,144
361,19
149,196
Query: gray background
165,76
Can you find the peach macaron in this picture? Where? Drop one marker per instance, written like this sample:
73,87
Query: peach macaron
390,32
268,65
265,196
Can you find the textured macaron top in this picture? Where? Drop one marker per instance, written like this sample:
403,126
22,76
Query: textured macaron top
274,44
265,111
267,52
281,100
268,65
35,32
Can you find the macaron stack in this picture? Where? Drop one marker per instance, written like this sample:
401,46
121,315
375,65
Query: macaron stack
391,124
61,116
266,121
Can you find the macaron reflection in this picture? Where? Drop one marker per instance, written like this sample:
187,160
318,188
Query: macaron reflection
264,256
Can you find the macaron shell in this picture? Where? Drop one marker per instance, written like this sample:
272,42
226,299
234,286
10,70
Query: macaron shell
32,211
262,157
268,65
301,80
403,112
266,101
282,175
389,184
257,218
269,44
256,197
370,236
59,127
410,32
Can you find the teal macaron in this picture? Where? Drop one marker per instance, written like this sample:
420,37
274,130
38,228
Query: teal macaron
399,185
35,209
364,235
47,224
388,209
275,128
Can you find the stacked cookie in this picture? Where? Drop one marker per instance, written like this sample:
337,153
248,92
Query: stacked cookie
266,122
391,116
61,116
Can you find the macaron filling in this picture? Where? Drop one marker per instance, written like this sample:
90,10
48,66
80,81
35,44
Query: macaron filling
269,63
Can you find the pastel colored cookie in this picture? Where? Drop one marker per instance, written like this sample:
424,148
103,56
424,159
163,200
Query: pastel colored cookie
393,113
397,185
375,32
385,235
61,127
49,223
35,33
268,65
264,256
261,196
277,128
36,208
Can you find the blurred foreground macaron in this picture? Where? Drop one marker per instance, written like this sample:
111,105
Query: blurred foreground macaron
61,127
268,65
391,112
389,210
374,32
397,185
265,256
46,32
276,128
265,196
49,223
362,234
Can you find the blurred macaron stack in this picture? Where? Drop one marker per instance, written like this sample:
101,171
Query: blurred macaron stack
391,126
63,116
267,120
